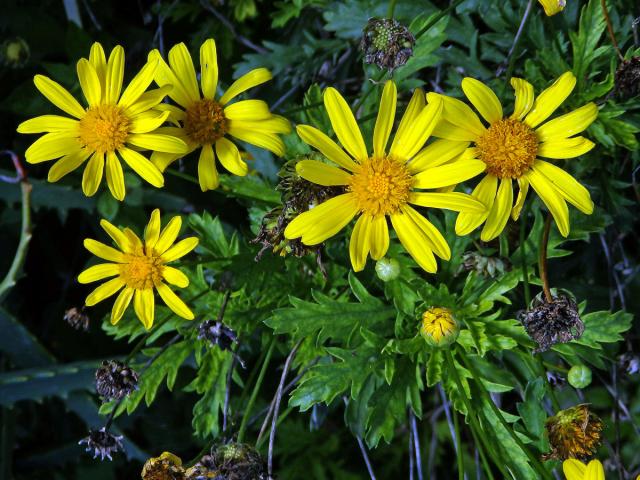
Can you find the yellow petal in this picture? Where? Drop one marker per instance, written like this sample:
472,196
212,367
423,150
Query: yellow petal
448,174
324,220
52,145
564,148
48,123
152,230
176,305
568,124
326,146
89,82
322,174
344,124
552,198
524,97
229,157
571,190
162,160
459,114
168,235
209,68
99,272
273,124
251,110
415,107
594,471
550,99
499,213
98,60
92,175
414,241
379,237
175,276
101,250
115,74
144,306
117,236
139,84
248,80
432,235
67,164
458,202
120,305
165,77
407,144
148,100
180,249
158,142
207,172
59,96
551,7
104,291
135,244
115,176
523,189
182,64
386,116
573,469
447,130
485,192
359,243
439,152
483,98
268,141
148,121
142,166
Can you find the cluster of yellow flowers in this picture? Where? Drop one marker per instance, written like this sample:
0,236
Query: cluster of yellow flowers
386,181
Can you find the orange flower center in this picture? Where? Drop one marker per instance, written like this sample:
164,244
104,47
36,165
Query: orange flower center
104,128
508,148
141,272
381,186
205,121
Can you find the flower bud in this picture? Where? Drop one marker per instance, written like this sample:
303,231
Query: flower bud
14,53
439,327
387,43
387,269
115,380
579,376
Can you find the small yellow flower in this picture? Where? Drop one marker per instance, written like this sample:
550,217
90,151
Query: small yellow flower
439,327
551,7
139,268
204,121
382,184
115,125
576,470
511,147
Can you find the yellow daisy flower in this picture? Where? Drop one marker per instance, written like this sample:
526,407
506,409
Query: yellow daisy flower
139,268
511,146
115,125
205,121
382,184
576,470
551,7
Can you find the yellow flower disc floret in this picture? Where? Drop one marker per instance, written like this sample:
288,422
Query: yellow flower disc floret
142,271
381,186
508,147
104,128
205,122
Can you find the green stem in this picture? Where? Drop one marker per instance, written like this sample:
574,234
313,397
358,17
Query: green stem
25,237
184,176
516,41
458,442
256,389
472,418
523,256
534,461
438,17
391,9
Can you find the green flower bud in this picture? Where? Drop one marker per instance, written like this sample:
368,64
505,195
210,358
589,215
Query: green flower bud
14,53
439,327
387,269
579,376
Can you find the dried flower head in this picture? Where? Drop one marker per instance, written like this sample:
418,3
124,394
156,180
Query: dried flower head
628,78
218,334
386,43
573,433
485,266
439,327
549,323
115,380
76,317
14,52
165,467
234,461
102,443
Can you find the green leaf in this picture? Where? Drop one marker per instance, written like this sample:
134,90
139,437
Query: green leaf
532,412
585,41
212,235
